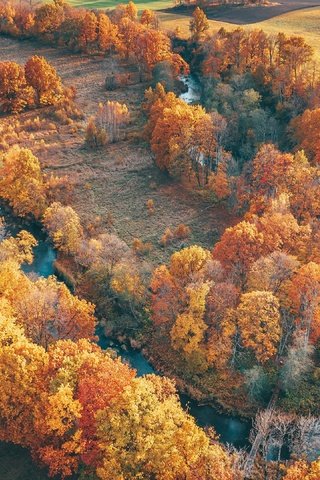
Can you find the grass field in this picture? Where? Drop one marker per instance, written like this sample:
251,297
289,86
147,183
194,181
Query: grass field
141,4
300,22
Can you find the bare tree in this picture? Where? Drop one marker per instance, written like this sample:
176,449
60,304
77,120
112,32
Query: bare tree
305,437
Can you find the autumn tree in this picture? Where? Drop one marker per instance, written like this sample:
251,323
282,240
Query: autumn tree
189,328
301,469
306,133
297,364
168,284
64,227
22,376
134,444
15,93
271,171
271,271
88,32
149,19
132,11
111,118
239,248
174,139
107,36
48,311
198,24
303,292
43,78
48,18
18,248
22,183
258,318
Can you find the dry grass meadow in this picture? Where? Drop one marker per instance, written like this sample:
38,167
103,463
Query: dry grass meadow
119,179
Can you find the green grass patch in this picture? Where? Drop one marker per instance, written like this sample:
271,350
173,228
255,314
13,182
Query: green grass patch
103,4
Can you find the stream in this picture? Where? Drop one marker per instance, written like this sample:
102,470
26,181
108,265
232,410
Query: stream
232,430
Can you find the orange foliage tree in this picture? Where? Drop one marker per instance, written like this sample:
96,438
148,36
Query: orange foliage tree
15,93
306,133
45,81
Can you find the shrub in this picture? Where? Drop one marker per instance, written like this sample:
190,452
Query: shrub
182,231
95,137
167,237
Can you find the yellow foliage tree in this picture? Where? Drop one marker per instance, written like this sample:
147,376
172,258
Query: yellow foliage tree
64,227
258,319
21,182
146,434
188,330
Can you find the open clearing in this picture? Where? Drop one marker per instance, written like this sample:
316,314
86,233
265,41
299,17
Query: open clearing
118,179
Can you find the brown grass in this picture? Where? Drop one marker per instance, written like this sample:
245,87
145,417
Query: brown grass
118,180
301,22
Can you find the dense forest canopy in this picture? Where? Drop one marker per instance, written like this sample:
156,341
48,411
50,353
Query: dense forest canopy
234,321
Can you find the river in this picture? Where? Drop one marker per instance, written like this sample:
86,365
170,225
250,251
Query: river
232,430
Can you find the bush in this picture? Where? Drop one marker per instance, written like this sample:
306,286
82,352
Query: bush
150,206
95,137
182,231
167,237
141,248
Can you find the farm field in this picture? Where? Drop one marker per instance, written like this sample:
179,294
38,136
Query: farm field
141,4
291,17
243,15
300,22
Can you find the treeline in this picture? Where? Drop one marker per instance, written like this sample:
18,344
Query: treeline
248,310
258,82
87,31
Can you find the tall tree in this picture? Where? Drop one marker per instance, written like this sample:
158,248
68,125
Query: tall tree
44,79
22,183
198,24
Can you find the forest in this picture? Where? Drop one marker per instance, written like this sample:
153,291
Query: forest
185,227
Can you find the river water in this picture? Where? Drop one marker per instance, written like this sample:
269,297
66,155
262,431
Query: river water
232,430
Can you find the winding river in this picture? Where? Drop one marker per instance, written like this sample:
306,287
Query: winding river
232,430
